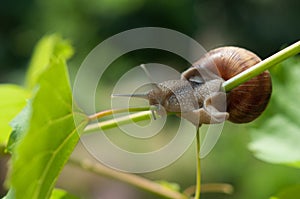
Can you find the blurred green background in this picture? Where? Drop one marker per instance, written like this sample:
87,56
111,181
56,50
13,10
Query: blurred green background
262,26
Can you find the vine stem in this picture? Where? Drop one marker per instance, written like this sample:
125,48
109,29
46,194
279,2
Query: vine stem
262,66
104,113
134,180
112,123
228,85
198,175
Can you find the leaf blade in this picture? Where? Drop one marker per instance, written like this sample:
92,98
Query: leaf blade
13,99
62,194
288,193
48,47
52,125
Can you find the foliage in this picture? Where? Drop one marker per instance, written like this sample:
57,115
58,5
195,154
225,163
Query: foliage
56,194
253,24
61,194
169,185
14,96
44,132
48,47
288,193
277,138
13,99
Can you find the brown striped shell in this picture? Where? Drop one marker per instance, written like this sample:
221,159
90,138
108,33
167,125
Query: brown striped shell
247,101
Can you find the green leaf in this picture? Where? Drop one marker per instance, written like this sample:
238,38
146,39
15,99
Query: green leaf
10,195
20,125
170,185
288,193
277,144
275,137
51,137
47,48
13,99
61,194
56,194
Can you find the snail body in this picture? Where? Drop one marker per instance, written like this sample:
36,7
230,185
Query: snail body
198,96
200,103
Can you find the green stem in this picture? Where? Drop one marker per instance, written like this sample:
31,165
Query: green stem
228,85
198,177
104,113
134,180
262,66
112,123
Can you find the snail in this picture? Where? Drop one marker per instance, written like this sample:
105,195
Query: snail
247,101
198,96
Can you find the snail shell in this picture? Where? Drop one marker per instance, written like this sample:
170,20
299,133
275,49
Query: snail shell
247,101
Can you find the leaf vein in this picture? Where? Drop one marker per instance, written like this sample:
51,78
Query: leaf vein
50,162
